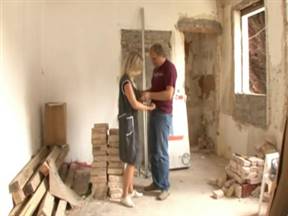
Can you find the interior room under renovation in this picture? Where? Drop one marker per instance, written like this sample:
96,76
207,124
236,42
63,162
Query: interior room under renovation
144,107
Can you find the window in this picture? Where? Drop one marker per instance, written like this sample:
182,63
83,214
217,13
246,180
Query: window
250,50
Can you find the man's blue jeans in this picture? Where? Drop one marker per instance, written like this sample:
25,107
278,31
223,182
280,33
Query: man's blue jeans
159,127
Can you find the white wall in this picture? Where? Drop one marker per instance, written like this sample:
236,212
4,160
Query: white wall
81,56
235,137
20,91
56,50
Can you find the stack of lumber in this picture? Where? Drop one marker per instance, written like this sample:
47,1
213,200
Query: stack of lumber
30,187
115,166
99,165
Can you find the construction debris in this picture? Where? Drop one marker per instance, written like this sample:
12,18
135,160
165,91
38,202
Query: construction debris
81,180
245,169
242,176
267,148
32,188
217,194
58,188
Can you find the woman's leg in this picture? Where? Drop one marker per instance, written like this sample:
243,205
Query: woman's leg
131,187
128,180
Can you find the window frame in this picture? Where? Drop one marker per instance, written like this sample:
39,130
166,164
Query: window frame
241,63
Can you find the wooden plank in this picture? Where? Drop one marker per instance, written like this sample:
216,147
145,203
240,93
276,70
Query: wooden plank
62,205
63,171
54,124
15,211
33,183
34,201
54,154
18,196
47,205
36,179
61,158
24,175
61,208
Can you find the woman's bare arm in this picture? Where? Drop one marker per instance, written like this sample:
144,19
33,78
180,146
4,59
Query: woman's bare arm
128,90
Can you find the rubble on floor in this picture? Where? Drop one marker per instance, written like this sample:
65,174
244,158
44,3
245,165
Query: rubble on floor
268,147
81,179
242,176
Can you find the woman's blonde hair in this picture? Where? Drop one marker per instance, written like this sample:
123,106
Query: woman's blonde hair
132,64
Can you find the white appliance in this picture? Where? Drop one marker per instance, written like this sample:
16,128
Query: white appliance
178,145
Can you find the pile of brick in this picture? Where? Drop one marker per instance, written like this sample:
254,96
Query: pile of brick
107,169
242,176
99,165
245,169
115,166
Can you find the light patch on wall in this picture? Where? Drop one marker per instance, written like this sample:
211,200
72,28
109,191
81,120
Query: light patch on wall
237,53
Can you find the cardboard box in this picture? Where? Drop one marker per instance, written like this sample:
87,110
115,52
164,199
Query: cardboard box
55,128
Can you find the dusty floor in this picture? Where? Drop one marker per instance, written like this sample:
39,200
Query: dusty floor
190,195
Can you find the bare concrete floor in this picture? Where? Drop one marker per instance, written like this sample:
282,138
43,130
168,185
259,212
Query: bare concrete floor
190,195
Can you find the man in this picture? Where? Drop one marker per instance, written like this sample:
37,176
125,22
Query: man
161,93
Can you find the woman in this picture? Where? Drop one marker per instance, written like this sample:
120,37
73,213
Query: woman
129,148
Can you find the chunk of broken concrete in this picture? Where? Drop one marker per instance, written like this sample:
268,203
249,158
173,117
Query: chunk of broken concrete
218,194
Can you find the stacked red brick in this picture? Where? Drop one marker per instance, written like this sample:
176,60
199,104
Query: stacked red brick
245,169
99,165
115,166
243,175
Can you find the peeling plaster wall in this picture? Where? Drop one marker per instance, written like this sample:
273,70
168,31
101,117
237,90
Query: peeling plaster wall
239,137
201,52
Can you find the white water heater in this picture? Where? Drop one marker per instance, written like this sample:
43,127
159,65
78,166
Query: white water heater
178,145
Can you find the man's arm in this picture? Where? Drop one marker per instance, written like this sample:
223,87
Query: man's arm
165,95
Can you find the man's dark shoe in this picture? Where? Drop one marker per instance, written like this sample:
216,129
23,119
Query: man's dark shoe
163,195
151,187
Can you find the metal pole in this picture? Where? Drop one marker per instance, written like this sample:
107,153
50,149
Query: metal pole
144,88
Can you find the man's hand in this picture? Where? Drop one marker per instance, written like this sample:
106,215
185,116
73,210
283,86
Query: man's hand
145,96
